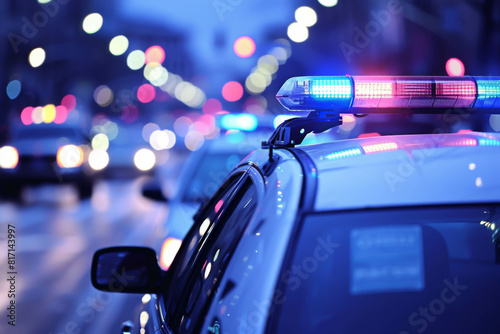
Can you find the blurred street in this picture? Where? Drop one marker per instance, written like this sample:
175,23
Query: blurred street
56,238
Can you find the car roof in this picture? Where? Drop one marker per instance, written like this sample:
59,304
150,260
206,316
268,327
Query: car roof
406,170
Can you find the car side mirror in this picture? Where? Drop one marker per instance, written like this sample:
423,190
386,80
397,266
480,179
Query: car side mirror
127,269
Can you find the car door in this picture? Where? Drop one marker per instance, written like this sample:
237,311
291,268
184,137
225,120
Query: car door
207,249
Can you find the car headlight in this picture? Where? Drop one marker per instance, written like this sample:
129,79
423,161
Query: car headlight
144,159
8,157
98,159
69,156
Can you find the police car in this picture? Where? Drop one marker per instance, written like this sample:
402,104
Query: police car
388,234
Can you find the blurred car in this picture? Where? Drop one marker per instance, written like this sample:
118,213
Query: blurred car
45,153
386,234
129,155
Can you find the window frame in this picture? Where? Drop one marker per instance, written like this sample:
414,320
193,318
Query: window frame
234,188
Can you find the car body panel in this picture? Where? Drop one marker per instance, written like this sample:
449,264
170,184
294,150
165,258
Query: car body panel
423,170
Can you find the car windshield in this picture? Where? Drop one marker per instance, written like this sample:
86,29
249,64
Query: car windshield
209,174
394,271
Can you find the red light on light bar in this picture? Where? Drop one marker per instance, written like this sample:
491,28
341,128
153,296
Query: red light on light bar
369,134
376,148
460,142
455,93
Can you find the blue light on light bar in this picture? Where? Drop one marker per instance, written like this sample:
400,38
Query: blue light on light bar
244,122
488,93
344,154
316,93
330,93
336,88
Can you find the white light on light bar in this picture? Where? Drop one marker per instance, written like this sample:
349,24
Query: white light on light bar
350,92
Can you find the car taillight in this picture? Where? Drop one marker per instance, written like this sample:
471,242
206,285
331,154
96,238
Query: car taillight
69,156
9,157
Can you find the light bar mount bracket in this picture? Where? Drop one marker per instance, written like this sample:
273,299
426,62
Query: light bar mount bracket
293,131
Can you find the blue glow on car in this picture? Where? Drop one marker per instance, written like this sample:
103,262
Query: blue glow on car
344,154
488,142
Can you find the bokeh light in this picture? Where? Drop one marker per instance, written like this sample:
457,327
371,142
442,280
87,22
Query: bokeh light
232,91
13,89
98,159
118,45
156,74
69,156
144,159
244,47
212,106
255,83
92,23
49,113
328,3
37,57
297,32
172,81
181,125
9,157
306,16
455,67
159,140
245,122
189,94
136,60
194,140
100,141
169,249
69,101
205,125
26,116
171,138
155,54
103,96
495,122
148,130
130,113
61,114
146,93
256,104
268,64
110,129
36,115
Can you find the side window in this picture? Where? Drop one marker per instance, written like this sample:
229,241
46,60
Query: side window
215,251
179,271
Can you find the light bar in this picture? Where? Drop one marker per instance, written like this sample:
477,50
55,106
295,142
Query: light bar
381,92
